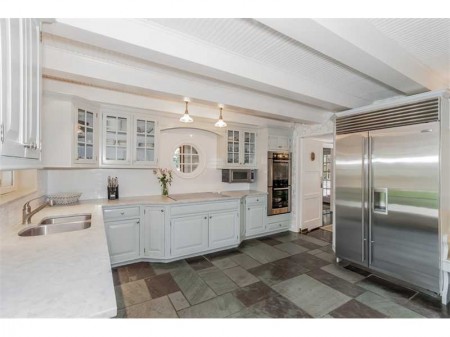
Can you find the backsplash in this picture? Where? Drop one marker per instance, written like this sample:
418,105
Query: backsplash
138,182
11,212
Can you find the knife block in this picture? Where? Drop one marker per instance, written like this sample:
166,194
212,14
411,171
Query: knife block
113,193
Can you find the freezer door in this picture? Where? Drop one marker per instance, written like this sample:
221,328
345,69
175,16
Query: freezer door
404,215
352,197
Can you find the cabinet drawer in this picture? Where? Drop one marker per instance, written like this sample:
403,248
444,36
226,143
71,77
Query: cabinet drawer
256,199
121,213
278,225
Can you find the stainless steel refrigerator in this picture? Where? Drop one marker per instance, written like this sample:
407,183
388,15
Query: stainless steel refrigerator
387,192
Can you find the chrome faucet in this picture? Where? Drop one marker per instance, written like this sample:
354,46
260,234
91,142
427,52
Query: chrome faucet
27,213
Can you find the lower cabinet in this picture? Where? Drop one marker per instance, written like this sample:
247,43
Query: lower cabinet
188,234
123,239
223,229
153,232
255,215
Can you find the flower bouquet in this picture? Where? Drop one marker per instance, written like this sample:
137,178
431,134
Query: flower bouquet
164,176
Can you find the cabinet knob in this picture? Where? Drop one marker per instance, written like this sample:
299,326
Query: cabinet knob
248,208
122,213
257,199
162,211
210,217
206,217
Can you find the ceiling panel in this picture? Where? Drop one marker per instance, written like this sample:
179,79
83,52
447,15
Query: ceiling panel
428,40
251,39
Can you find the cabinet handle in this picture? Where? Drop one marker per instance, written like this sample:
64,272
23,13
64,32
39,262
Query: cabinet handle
32,146
257,199
122,213
162,211
138,222
210,217
206,217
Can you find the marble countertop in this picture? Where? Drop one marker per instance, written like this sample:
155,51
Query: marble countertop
59,275
69,274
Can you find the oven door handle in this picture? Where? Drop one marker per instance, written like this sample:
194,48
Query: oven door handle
280,188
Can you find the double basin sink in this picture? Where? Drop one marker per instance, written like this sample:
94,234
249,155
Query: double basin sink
58,224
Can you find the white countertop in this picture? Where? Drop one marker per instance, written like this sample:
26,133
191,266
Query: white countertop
58,275
68,274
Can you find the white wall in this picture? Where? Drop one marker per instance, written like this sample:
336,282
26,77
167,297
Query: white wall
139,182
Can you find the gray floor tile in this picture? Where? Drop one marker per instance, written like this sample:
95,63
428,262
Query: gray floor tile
253,293
263,253
223,263
193,287
386,289
273,273
315,251
131,293
178,300
314,240
326,257
240,276
217,280
386,306
291,248
157,308
286,236
343,273
345,287
161,268
245,261
221,306
428,306
274,306
310,295
355,309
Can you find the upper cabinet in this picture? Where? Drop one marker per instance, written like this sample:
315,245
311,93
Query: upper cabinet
129,139
237,149
20,92
70,132
279,143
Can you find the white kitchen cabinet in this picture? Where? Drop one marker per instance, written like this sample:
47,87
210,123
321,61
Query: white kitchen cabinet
145,137
237,149
255,215
188,234
223,229
123,240
20,90
70,132
279,143
128,139
153,233
116,138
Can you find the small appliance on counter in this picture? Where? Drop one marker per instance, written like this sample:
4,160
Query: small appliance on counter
238,176
113,188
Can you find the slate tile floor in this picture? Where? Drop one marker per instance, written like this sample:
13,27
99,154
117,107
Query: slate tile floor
289,275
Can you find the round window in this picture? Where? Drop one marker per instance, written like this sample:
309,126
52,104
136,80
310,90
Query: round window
186,159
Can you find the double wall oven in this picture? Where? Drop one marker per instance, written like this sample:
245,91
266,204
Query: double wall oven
279,183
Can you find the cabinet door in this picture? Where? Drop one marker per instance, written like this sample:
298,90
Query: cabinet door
223,229
32,88
233,148
144,148
123,240
249,148
255,218
12,47
189,234
154,219
86,135
116,139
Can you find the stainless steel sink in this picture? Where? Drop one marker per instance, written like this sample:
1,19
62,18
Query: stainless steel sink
65,219
59,224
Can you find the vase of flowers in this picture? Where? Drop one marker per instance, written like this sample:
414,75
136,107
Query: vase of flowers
164,176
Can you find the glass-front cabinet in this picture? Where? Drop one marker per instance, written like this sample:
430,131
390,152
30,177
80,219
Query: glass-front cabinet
144,141
240,149
85,139
116,136
129,139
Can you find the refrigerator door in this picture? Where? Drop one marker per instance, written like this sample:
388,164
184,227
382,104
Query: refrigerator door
352,197
404,178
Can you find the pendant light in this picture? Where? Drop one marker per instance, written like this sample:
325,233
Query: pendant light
220,123
186,118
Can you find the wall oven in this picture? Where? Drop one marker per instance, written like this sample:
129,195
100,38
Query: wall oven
279,183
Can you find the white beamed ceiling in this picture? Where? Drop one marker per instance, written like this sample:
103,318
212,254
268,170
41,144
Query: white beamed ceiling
289,69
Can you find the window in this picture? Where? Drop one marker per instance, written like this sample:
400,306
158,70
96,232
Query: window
326,185
7,182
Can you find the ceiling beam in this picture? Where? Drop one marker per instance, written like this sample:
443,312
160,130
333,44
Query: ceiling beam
72,64
358,45
153,42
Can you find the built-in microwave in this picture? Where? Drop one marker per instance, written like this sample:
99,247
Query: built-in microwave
238,176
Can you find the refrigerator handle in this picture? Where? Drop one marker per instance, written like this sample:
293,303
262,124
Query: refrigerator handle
363,198
370,201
